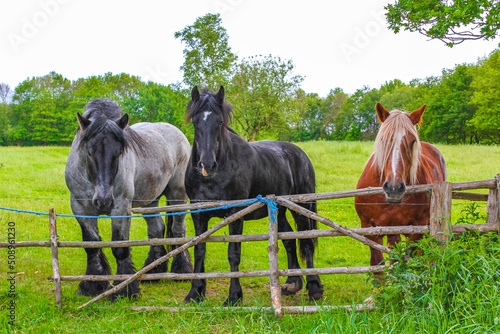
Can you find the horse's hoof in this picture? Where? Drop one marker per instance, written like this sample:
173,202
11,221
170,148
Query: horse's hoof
132,291
316,296
92,289
289,289
315,291
182,265
119,295
233,302
194,297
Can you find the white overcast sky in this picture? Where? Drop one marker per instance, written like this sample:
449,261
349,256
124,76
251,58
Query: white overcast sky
332,43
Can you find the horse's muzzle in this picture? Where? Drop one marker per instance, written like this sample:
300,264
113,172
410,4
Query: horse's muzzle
209,168
103,206
394,192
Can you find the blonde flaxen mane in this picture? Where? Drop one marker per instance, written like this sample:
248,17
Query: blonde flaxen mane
392,131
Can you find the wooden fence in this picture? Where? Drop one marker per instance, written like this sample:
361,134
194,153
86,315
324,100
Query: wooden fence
441,193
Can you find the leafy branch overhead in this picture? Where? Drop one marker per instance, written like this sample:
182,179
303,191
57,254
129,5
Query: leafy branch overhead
451,22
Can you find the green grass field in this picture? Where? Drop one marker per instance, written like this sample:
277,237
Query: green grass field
32,178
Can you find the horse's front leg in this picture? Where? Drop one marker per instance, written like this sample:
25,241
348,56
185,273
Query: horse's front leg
198,286
121,231
97,263
176,226
156,230
234,256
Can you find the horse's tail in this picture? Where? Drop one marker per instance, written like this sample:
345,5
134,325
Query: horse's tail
169,232
307,246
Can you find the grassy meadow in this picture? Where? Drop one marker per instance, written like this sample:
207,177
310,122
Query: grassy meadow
32,178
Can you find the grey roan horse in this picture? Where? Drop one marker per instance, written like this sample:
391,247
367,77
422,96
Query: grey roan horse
113,167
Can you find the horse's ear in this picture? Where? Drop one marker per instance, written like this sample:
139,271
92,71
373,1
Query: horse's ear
83,123
416,116
123,122
382,113
220,95
195,94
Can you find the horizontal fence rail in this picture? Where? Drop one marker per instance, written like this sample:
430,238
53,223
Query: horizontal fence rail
441,195
387,230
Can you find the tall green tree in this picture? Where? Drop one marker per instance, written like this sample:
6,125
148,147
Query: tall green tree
451,22
332,105
486,98
5,123
448,112
208,59
5,113
40,110
116,87
265,95
158,103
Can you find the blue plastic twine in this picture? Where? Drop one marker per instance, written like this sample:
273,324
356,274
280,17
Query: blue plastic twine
272,207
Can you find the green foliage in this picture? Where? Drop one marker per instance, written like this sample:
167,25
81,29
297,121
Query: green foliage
208,59
264,95
40,109
5,117
471,215
486,91
452,22
158,103
44,108
449,110
456,282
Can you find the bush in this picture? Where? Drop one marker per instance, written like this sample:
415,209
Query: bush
452,284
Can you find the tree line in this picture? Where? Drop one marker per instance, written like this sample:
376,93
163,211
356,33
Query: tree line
463,103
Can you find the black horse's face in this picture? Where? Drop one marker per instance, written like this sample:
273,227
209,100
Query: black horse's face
208,123
207,137
103,151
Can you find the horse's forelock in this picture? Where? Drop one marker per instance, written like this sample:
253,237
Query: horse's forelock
105,108
396,125
100,125
207,101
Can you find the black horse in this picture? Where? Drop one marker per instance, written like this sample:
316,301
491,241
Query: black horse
223,166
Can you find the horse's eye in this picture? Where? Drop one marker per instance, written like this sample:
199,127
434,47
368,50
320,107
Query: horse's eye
221,123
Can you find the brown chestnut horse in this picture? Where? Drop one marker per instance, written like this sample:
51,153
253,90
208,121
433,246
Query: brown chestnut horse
399,159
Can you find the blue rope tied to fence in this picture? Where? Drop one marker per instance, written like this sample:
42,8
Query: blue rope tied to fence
272,207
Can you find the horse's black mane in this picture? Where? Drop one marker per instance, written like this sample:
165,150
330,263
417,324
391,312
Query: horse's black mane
103,115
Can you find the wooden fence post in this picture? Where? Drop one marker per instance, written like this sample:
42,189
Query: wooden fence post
55,257
493,204
272,249
441,210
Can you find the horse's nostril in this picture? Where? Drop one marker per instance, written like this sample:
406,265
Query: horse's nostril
385,187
